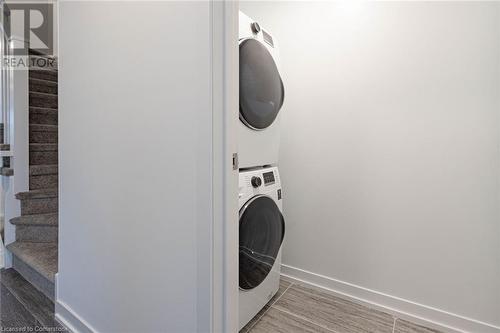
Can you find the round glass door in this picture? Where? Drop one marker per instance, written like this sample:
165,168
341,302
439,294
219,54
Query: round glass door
261,88
262,229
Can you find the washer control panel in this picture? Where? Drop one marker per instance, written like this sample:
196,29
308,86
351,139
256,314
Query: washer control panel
257,181
268,178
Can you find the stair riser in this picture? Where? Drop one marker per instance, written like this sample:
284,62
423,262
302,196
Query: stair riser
32,233
39,170
48,87
33,277
43,157
43,136
43,75
43,101
43,181
43,117
39,206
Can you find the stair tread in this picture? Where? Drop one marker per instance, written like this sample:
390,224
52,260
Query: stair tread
4,147
43,169
50,219
43,146
37,194
42,257
43,127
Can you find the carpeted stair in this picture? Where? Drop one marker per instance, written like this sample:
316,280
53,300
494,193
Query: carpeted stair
35,248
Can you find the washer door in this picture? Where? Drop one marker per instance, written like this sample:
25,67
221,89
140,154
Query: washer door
261,89
262,229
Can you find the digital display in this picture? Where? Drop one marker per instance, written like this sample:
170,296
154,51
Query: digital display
268,178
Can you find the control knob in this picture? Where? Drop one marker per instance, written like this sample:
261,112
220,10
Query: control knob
256,181
255,27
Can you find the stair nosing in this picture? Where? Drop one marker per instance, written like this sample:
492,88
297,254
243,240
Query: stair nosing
37,194
41,108
42,93
36,79
21,220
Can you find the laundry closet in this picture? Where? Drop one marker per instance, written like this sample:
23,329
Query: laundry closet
385,119
261,222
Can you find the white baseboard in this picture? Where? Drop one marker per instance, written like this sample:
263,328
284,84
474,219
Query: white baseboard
398,307
69,319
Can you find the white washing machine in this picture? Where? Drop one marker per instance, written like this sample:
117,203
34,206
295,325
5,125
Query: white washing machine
261,230
261,95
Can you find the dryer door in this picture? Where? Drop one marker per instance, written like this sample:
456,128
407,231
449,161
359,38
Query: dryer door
261,88
262,229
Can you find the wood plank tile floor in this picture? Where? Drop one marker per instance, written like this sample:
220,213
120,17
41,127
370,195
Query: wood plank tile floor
295,308
299,307
23,308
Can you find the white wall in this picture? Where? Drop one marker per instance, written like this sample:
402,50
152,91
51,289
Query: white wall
390,150
135,166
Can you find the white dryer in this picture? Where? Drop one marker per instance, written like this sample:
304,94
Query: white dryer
261,230
261,95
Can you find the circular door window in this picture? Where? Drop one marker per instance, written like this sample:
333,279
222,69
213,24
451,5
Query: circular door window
262,229
261,88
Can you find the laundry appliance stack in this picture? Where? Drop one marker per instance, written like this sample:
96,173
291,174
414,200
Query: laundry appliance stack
261,222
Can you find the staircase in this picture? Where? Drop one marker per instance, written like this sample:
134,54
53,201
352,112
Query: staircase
35,249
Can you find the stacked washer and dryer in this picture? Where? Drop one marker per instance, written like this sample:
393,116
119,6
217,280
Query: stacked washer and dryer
261,223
